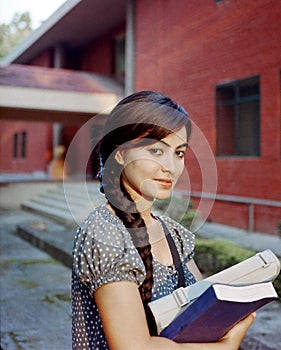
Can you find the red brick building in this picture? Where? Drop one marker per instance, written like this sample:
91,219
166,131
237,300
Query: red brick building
220,59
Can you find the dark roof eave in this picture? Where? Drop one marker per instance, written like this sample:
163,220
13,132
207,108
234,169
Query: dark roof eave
90,18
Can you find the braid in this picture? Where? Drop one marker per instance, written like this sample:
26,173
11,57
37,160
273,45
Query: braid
125,208
137,120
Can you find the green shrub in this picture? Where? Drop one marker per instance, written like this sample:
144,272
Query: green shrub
190,218
278,230
214,255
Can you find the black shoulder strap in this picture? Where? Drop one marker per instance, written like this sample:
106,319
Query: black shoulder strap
181,282
175,255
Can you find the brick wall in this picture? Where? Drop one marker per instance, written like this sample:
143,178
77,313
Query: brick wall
37,148
45,59
97,56
185,49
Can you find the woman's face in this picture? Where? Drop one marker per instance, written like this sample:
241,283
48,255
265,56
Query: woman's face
152,171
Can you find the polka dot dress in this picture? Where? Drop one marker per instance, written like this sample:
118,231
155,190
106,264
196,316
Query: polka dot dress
103,253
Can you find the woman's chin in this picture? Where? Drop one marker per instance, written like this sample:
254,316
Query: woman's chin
162,195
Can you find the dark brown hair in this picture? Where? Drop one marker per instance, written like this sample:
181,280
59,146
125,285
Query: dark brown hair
141,118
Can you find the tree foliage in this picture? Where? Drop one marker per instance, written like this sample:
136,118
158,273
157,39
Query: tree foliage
13,33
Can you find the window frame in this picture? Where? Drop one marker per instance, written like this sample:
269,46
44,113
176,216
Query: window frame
23,144
15,145
236,102
118,56
19,145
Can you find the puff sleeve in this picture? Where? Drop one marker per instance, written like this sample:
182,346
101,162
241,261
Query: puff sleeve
104,252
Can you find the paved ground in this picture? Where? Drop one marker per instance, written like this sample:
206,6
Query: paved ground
35,287
35,294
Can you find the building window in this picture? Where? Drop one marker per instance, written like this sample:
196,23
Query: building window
15,146
238,118
19,146
23,144
119,57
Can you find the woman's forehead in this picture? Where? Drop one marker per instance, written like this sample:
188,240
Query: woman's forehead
175,139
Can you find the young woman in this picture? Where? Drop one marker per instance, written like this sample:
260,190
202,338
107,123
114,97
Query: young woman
122,258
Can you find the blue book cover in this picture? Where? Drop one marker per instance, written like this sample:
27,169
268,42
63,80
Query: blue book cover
217,310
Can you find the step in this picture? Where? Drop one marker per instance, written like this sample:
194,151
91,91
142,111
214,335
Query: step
69,211
61,216
61,197
78,190
53,203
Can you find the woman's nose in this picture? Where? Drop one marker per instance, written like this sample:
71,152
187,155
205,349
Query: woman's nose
168,165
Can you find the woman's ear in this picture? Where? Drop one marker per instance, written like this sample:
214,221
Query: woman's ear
119,157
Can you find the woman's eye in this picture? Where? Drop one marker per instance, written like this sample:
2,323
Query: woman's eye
180,154
156,151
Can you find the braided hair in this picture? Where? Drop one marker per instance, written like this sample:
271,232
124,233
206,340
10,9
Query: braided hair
139,119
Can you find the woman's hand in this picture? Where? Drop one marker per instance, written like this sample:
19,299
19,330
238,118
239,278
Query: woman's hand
234,337
125,326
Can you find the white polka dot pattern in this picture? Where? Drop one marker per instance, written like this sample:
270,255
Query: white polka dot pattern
104,253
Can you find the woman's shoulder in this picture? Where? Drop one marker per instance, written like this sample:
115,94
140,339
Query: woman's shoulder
103,225
104,252
102,214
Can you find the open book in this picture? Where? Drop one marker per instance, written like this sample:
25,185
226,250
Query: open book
264,266
218,309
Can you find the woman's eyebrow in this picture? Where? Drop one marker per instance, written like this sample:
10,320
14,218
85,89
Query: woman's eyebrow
180,146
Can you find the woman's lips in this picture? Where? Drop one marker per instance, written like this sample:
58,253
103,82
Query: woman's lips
164,182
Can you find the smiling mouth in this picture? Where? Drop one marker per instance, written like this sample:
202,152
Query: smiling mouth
165,182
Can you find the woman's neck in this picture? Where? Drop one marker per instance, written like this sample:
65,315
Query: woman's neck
143,204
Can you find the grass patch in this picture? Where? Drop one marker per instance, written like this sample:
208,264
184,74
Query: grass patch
63,297
29,284
39,261
54,298
48,299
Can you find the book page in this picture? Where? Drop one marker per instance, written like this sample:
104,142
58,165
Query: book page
245,293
